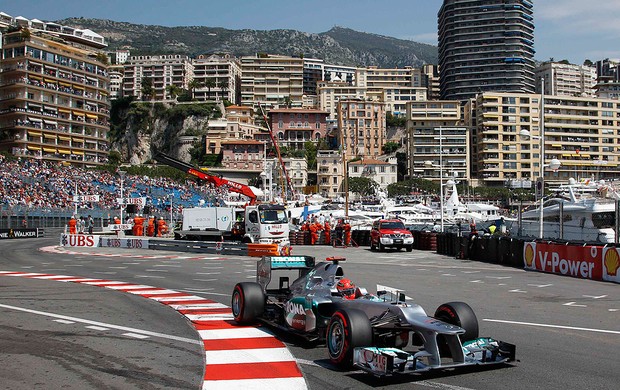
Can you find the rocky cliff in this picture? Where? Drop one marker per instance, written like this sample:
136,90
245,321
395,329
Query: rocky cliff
140,129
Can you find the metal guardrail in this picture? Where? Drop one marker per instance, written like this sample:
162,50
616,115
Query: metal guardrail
216,248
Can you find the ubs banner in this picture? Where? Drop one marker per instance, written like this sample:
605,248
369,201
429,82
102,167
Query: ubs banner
132,243
586,262
18,233
79,240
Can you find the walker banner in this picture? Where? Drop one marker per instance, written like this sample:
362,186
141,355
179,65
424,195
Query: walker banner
572,260
79,240
131,243
17,233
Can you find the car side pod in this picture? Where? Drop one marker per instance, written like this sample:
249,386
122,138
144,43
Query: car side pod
390,361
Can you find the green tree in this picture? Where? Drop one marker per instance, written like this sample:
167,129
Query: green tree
146,87
390,147
395,121
173,91
362,185
193,85
223,86
311,154
102,58
114,158
210,83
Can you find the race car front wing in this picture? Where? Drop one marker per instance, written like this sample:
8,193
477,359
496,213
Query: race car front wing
389,361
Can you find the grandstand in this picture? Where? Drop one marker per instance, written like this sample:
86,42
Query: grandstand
39,193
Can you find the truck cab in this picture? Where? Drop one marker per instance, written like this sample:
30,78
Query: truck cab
266,224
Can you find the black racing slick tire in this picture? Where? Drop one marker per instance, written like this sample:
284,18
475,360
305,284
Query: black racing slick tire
248,302
347,330
461,315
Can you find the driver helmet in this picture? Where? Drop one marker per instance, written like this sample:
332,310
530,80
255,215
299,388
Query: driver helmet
346,288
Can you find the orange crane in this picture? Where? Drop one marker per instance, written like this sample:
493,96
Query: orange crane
233,186
277,147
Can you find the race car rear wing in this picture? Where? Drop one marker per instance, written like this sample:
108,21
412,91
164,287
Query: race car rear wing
267,264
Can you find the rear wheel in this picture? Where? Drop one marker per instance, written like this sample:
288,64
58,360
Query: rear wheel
347,330
248,302
461,315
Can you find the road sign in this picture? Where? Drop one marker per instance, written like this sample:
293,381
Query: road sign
85,198
539,188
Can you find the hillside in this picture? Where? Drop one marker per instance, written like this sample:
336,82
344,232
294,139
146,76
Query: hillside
339,45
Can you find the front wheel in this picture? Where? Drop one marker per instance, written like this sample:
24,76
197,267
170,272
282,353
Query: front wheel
347,330
409,248
248,302
461,315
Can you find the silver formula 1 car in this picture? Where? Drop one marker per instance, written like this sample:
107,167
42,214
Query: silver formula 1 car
371,331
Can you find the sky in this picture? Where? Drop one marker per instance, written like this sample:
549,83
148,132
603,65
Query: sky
574,30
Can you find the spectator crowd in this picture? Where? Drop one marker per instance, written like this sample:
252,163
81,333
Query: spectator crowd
44,185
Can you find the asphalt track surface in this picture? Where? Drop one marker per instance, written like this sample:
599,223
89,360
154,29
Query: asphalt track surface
566,330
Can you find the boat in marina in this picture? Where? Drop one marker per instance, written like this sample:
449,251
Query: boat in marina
579,211
457,211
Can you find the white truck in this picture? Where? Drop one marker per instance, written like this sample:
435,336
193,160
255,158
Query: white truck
262,224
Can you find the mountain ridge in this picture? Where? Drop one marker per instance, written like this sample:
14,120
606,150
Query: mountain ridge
338,46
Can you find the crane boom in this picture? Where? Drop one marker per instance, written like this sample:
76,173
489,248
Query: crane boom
215,180
277,147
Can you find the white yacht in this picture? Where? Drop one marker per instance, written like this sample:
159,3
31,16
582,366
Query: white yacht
587,215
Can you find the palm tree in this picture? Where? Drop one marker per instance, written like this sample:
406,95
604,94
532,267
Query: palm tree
173,91
193,85
209,83
223,85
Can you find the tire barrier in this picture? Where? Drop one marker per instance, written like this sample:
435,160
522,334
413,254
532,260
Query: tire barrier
489,249
428,241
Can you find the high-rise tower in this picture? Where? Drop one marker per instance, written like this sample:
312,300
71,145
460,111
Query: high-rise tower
484,46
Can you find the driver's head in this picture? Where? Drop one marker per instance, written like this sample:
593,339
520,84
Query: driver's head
346,288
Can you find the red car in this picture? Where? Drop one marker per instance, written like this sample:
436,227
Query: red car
390,233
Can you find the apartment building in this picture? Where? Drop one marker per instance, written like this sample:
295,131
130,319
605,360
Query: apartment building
161,71
54,102
219,78
361,127
583,133
294,127
237,124
437,141
330,168
331,92
608,79
383,173
316,70
395,87
245,155
485,46
563,79
271,80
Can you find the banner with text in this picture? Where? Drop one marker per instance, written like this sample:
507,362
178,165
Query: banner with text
17,233
79,240
580,261
132,243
